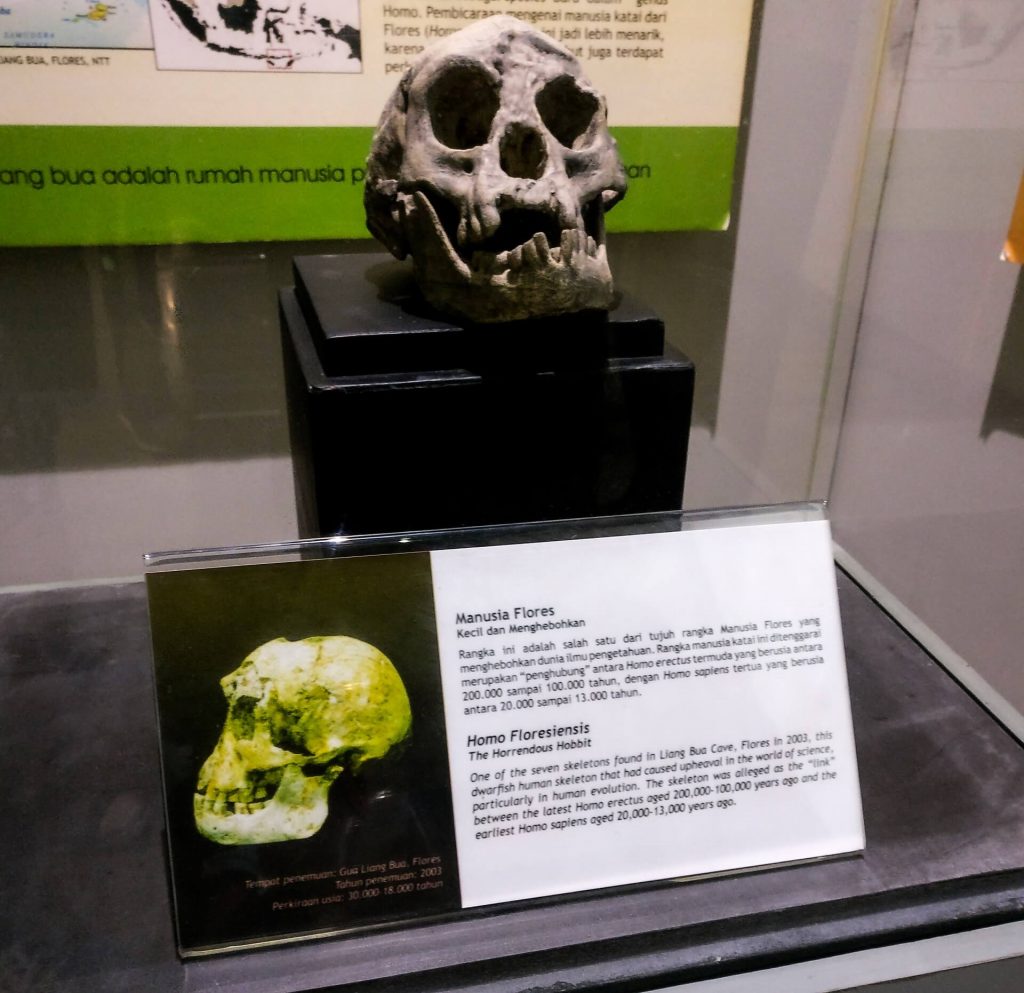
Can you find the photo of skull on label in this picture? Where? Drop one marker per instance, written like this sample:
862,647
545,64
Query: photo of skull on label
299,715
305,770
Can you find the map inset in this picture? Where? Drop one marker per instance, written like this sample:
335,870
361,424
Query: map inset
75,24
296,35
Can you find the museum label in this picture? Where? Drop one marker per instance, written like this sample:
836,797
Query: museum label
368,738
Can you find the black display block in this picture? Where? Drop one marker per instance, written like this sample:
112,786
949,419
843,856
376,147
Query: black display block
403,421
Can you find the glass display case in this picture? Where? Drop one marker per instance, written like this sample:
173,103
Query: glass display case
857,339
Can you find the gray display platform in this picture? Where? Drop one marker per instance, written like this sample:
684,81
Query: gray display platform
86,897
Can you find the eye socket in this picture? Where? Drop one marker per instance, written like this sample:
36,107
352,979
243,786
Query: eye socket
243,714
462,102
566,110
287,736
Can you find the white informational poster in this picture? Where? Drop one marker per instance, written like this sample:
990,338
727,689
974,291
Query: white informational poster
628,709
660,64
175,121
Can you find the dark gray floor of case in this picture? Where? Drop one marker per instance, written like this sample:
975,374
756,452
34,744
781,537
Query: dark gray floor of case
86,900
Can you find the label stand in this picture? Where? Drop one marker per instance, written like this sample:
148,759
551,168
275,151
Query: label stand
593,704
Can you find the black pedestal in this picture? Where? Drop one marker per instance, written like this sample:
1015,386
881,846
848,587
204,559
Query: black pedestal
402,421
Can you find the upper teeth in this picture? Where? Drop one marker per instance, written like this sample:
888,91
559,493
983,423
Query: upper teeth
232,801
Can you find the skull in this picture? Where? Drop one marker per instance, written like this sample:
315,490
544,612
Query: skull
493,166
299,713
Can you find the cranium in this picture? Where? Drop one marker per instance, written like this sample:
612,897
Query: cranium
493,167
299,713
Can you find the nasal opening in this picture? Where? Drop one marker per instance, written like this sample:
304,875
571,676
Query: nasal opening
522,152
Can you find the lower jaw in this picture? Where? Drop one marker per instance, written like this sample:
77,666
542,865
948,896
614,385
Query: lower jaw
298,814
489,298
576,278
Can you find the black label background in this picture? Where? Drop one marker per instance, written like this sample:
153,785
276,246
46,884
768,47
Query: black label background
204,623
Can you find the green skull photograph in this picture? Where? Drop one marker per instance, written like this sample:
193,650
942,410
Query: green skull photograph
303,742
298,713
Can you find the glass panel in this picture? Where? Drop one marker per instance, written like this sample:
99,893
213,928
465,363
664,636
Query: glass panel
380,711
929,487
142,401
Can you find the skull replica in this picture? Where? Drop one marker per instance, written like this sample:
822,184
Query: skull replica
299,713
493,166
